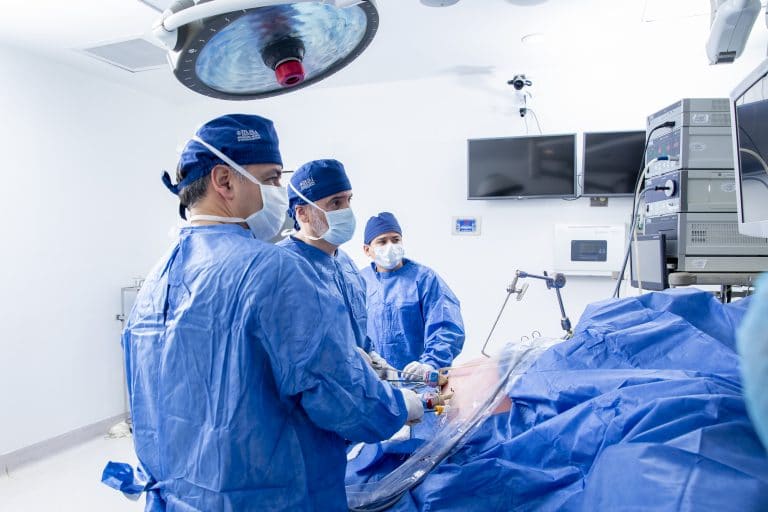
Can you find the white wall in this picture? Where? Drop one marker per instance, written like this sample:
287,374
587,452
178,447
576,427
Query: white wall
80,207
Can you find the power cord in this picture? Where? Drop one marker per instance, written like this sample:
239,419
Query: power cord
535,118
635,203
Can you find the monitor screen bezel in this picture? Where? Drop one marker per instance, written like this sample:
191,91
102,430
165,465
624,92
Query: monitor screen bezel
573,195
584,163
755,228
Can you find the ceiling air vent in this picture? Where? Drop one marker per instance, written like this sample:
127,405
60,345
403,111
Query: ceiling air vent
131,54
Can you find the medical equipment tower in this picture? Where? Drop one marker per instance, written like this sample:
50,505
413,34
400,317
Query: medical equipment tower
691,198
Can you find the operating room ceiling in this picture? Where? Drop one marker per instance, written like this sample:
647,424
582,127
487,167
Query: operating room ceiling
477,42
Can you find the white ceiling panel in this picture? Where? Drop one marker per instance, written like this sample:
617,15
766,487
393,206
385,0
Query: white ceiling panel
475,41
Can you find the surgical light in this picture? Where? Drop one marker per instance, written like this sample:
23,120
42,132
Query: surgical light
249,49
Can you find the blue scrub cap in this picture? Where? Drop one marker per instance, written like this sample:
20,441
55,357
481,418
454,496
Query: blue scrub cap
315,180
246,139
382,223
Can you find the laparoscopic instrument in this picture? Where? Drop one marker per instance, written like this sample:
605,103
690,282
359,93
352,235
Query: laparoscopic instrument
434,399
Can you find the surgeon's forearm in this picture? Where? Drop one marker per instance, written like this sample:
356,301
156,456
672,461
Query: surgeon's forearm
441,349
358,414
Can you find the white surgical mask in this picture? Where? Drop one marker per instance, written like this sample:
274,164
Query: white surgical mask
341,226
341,223
265,223
388,256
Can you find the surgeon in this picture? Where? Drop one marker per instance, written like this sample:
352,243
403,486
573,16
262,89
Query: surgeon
320,196
243,376
752,343
414,319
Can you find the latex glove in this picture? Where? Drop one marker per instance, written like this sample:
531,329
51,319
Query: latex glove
378,363
414,405
383,369
416,370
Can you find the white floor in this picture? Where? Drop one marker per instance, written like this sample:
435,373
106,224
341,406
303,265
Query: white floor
70,481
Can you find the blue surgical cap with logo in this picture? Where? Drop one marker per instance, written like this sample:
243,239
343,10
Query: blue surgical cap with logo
246,139
315,180
382,223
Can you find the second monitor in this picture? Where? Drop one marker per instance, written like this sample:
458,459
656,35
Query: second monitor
612,162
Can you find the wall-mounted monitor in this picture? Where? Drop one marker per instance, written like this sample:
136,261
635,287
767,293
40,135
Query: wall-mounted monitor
749,129
522,167
612,162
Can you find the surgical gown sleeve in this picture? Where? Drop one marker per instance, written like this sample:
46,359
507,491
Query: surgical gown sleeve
752,342
311,350
443,325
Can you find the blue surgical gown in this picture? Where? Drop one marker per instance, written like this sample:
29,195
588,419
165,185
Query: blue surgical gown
413,316
342,279
753,349
244,381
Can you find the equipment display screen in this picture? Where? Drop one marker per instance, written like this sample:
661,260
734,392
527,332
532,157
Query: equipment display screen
612,162
522,167
589,250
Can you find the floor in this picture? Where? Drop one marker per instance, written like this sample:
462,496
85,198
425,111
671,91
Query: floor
69,481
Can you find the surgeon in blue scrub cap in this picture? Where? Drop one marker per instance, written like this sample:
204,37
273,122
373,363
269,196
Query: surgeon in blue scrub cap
243,376
320,196
752,342
414,319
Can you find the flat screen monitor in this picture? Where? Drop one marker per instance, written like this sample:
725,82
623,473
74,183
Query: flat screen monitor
522,167
648,262
612,162
749,128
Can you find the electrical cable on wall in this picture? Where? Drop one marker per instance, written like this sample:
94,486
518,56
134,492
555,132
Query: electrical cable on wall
536,118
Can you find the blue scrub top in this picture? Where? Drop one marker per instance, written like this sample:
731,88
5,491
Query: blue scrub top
342,280
413,316
244,381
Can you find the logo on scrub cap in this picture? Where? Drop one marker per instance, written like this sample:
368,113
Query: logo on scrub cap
247,135
305,184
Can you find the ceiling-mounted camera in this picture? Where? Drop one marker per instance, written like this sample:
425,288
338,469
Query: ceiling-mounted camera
519,81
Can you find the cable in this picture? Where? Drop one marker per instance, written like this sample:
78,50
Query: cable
536,118
757,156
577,195
636,258
640,177
633,231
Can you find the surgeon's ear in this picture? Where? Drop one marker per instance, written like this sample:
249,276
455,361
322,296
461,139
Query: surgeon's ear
222,177
301,214
368,251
